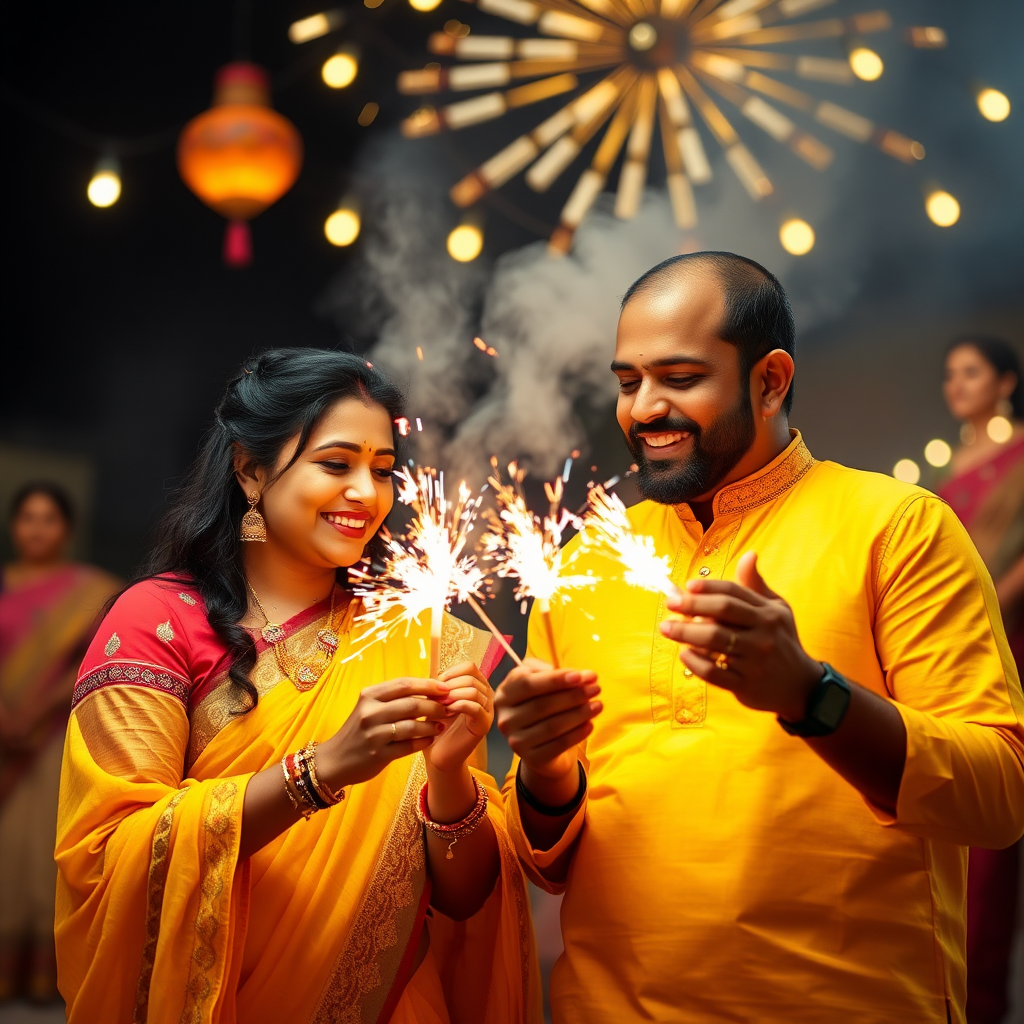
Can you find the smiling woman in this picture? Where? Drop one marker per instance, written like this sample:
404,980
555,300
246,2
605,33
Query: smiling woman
223,700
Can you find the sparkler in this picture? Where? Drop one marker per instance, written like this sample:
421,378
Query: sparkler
426,569
528,548
607,525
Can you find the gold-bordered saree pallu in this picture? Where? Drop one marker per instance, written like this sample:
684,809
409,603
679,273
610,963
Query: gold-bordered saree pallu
157,922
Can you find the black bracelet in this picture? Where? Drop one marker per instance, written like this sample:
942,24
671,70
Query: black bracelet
314,796
551,812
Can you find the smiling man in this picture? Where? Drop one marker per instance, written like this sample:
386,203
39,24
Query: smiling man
767,817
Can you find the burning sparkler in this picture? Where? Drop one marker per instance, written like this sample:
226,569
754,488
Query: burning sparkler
607,525
528,548
426,569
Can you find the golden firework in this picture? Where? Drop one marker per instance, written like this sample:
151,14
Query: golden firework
640,68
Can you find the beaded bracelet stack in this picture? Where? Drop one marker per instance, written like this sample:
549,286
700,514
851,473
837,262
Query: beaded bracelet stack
306,792
457,829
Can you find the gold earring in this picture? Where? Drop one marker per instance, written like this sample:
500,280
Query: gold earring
254,526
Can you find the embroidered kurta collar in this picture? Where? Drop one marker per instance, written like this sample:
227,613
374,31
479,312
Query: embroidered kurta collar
767,484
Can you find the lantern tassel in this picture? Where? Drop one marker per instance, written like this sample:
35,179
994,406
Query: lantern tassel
237,244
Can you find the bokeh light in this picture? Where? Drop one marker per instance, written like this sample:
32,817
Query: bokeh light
937,453
342,227
796,236
999,429
866,64
942,208
993,105
104,187
424,5
465,243
907,470
340,70
315,26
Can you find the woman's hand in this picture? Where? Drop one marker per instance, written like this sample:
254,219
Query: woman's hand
470,703
384,726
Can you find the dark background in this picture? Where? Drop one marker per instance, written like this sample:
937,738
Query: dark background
122,324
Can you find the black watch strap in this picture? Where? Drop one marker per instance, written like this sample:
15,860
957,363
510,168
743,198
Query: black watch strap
826,706
551,812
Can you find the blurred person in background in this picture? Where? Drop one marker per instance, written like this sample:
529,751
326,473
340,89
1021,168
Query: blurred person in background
48,610
266,814
986,490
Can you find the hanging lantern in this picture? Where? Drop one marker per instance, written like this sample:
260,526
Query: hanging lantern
239,156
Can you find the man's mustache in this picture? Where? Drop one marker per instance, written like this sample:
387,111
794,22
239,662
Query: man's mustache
664,425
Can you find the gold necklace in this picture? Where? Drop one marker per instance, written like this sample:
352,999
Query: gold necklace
274,635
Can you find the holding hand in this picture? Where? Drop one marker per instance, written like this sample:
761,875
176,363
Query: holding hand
742,637
544,713
471,699
384,726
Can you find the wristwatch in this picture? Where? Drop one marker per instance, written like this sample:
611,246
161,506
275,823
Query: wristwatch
826,706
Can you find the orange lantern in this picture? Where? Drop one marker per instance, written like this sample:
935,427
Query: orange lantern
239,156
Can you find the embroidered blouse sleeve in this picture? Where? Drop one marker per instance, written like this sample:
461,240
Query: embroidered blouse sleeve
131,698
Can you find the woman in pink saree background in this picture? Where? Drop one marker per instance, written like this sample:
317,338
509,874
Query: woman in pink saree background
984,391
48,608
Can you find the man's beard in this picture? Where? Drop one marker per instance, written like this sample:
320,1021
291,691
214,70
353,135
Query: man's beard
714,453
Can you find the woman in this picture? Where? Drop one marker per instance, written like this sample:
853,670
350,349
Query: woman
48,608
986,490
229,696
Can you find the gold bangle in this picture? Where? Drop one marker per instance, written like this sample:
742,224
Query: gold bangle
324,792
287,784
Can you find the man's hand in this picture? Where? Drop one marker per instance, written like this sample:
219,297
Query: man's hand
742,637
544,713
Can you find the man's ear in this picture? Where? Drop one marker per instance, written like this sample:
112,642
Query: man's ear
774,375
250,477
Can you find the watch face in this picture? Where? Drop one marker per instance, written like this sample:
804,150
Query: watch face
831,706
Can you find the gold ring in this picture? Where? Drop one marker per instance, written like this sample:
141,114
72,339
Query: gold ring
732,643
722,662
394,732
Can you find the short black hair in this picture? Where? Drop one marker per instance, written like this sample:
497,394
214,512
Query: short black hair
1000,355
53,491
758,316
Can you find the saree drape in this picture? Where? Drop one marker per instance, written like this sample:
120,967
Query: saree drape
158,921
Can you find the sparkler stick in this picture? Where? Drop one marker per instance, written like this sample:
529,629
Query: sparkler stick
528,548
495,632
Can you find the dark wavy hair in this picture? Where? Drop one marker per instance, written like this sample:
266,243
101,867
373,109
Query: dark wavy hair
1002,357
274,397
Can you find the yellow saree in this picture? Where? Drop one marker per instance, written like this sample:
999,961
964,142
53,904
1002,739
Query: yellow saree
156,919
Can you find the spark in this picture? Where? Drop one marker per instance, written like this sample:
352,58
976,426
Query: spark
419,423
419,353
485,348
403,426
527,548
607,525
427,568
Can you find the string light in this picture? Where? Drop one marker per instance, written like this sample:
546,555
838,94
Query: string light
340,70
104,187
465,243
796,236
315,26
866,64
907,470
367,114
342,227
999,429
993,105
942,208
937,453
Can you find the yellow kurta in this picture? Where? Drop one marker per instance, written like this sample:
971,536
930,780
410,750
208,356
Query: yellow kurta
722,871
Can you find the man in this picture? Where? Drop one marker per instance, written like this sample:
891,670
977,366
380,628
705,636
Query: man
767,818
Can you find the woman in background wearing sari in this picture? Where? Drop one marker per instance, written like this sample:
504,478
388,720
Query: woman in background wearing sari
983,390
48,609
229,696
